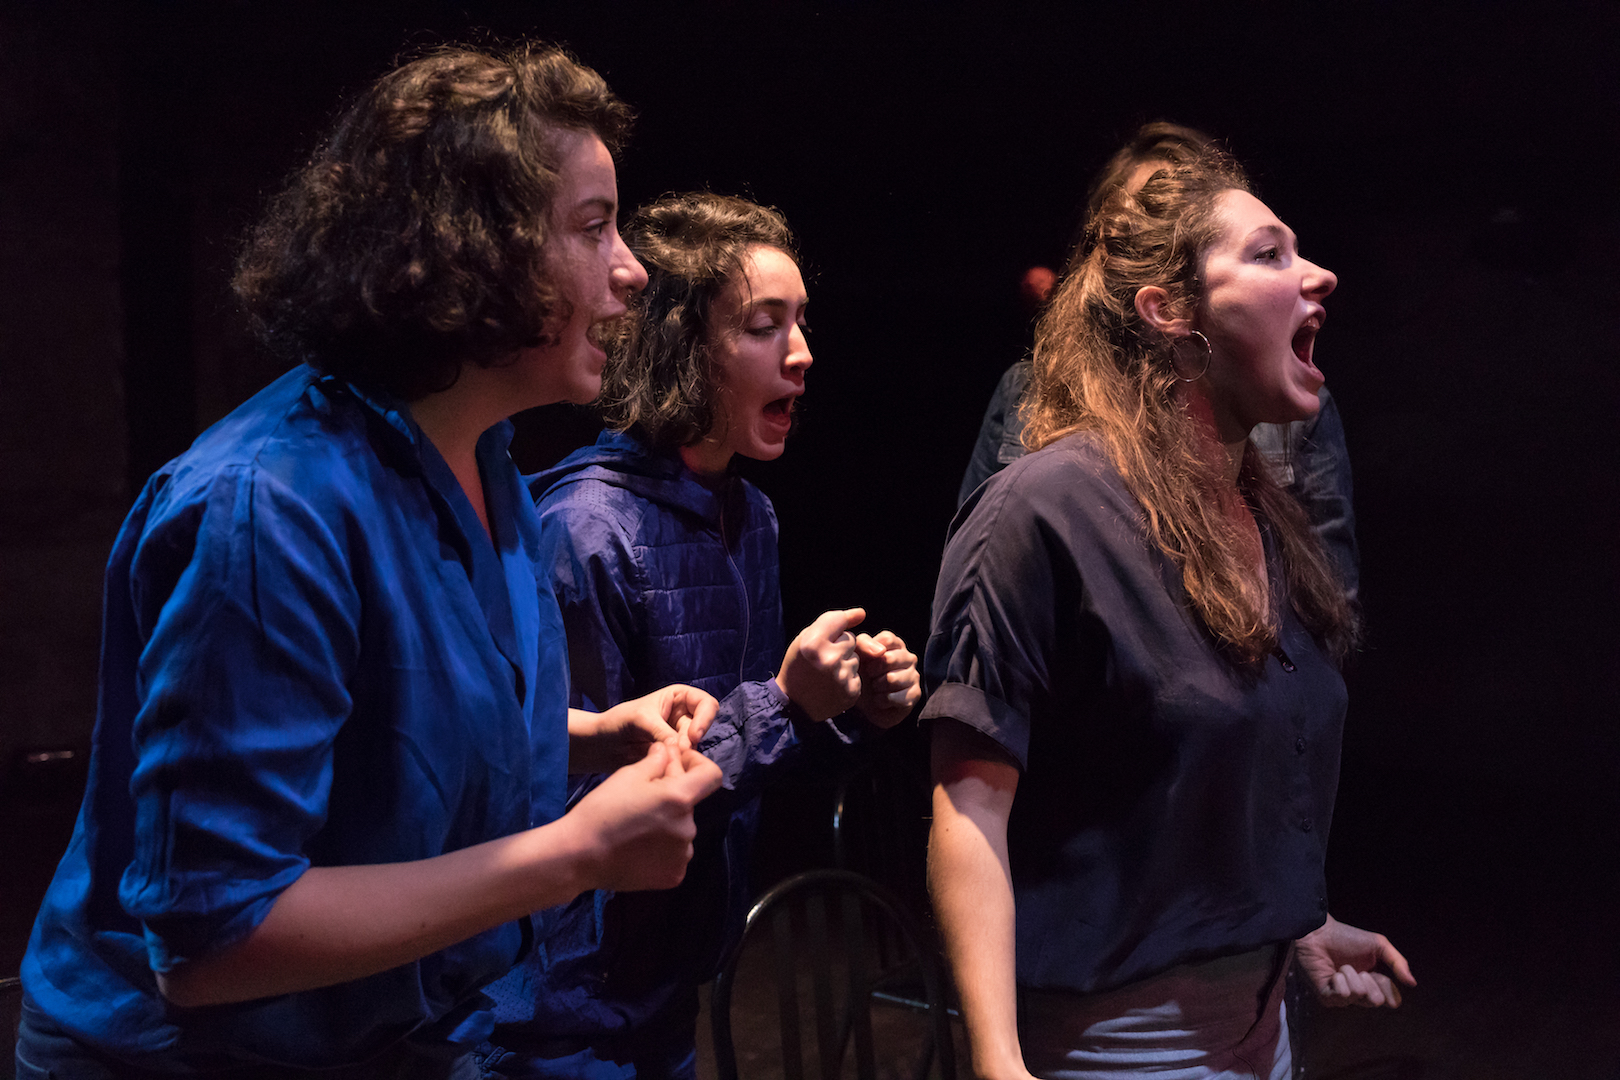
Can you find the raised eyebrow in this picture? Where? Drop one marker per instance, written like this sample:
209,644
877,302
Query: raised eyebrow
778,302
1282,232
597,202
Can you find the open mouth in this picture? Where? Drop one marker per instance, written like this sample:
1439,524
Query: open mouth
1305,338
781,410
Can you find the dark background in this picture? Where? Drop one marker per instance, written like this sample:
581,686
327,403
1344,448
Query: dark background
1454,165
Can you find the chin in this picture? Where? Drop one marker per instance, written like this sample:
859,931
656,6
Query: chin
765,451
1294,402
1308,406
580,391
586,385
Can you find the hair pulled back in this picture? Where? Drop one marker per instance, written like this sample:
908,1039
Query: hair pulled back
1159,141
661,379
1099,367
413,239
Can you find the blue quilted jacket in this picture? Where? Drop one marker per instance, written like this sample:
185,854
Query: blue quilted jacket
661,578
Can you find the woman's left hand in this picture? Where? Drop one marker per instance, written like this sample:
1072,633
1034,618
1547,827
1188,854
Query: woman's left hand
601,742
890,685
1339,960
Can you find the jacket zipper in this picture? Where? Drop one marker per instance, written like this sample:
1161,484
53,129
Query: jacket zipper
742,586
742,661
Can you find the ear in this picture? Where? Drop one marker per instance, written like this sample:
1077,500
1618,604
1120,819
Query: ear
1154,306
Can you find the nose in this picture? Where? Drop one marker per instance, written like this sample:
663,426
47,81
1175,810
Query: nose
628,275
1319,281
798,357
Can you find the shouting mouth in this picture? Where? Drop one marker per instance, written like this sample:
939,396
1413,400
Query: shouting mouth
1305,339
780,411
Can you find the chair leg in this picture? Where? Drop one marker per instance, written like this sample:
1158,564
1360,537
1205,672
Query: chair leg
787,994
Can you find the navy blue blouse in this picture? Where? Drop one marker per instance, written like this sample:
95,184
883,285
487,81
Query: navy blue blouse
1308,457
311,655
1172,806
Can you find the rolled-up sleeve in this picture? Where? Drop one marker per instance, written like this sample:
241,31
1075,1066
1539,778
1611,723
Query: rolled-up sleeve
995,617
250,622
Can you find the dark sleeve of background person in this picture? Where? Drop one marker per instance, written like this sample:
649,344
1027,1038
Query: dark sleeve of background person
1001,435
1321,483
1308,457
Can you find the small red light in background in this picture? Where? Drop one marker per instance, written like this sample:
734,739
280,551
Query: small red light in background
1036,285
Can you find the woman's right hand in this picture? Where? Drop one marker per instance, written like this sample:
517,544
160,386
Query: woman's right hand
339,923
639,820
821,672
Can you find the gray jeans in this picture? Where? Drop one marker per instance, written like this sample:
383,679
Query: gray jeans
1218,1020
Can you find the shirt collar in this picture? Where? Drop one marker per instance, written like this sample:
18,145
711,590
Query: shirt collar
404,434
391,410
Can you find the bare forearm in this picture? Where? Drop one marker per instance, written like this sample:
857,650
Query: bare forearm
973,900
336,924
588,752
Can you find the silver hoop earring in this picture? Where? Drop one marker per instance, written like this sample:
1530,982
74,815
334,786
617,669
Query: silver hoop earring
1209,354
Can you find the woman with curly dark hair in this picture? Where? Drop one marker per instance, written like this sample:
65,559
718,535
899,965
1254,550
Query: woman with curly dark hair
665,564
326,789
1136,698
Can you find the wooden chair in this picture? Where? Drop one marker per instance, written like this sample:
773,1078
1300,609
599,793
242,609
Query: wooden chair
838,943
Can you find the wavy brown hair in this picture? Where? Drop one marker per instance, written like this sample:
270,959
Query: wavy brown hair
1174,144
660,379
1100,367
413,240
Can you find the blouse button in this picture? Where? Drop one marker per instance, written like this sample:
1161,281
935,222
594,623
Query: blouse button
1306,824
1299,746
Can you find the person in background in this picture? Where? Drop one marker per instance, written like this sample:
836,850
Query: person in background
326,788
665,563
1136,707
1308,457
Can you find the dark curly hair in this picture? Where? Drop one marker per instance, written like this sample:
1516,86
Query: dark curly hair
659,380
413,240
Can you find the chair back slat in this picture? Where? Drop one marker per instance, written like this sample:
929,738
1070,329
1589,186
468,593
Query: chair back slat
856,936
828,1045
785,945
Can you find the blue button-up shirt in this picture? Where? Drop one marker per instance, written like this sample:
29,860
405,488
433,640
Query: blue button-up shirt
312,655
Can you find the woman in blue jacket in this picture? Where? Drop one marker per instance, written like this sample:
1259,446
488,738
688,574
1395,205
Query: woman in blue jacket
665,563
326,787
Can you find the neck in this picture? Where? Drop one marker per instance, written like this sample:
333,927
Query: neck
452,420
1220,441
707,457
453,431
1232,458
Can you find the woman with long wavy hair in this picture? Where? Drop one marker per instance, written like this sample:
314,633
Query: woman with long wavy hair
1134,668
